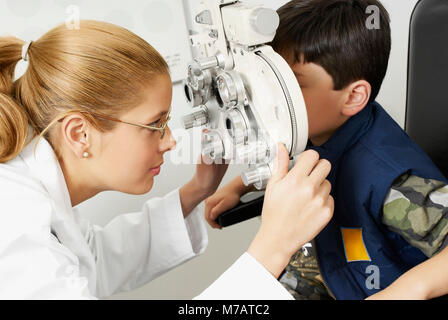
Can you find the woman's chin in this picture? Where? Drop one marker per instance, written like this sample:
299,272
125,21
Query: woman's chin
148,186
141,188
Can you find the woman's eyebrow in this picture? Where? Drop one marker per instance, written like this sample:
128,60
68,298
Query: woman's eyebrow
155,118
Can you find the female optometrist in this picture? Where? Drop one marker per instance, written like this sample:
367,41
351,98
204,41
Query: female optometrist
89,115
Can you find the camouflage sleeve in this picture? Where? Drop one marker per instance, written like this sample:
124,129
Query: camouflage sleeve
417,209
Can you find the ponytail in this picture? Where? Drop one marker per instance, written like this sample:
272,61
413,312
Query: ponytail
13,118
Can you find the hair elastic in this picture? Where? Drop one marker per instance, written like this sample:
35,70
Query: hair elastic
25,49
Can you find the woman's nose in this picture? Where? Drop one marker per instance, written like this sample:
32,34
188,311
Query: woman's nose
168,142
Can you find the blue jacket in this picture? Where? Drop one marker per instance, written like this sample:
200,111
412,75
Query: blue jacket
367,154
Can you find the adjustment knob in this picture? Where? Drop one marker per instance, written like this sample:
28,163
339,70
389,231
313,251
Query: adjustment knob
231,91
194,98
196,118
236,126
208,63
258,176
227,90
250,177
265,21
198,78
212,145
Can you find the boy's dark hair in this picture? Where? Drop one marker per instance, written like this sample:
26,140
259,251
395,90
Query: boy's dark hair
335,35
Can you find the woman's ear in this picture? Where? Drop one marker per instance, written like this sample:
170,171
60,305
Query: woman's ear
358,95
75,133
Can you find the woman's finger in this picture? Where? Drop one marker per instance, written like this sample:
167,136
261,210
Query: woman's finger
320,172
327,203
325,188
281,163
305,164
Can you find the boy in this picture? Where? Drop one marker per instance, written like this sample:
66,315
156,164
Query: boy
384,222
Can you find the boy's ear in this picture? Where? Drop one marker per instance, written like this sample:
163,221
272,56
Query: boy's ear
357,97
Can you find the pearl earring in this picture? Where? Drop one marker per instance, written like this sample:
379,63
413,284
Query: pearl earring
86,154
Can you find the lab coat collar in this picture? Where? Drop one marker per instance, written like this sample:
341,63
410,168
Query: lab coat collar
44,166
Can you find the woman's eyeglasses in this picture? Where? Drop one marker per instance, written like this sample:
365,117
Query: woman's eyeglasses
160,125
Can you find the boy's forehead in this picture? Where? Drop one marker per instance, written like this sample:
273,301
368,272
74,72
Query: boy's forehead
296,63
307,70
304,69
312,73
289,55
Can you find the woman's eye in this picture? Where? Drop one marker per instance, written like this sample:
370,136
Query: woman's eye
155,123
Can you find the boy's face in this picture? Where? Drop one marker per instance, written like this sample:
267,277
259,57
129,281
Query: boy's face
323,103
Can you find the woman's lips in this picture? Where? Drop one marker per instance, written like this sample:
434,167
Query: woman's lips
155,171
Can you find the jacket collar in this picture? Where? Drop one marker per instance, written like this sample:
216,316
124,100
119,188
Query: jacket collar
347,135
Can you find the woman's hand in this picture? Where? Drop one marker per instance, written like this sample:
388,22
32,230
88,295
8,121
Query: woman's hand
297,206
204,183
208,176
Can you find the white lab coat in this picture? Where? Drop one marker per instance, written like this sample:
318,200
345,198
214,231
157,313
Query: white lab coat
47,251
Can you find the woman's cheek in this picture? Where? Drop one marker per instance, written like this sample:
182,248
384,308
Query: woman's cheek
149,153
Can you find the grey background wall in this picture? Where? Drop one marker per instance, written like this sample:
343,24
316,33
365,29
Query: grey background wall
189,279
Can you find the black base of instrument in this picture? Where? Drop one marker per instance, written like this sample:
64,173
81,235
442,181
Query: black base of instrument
242,212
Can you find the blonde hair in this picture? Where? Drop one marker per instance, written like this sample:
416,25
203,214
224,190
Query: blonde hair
98,68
